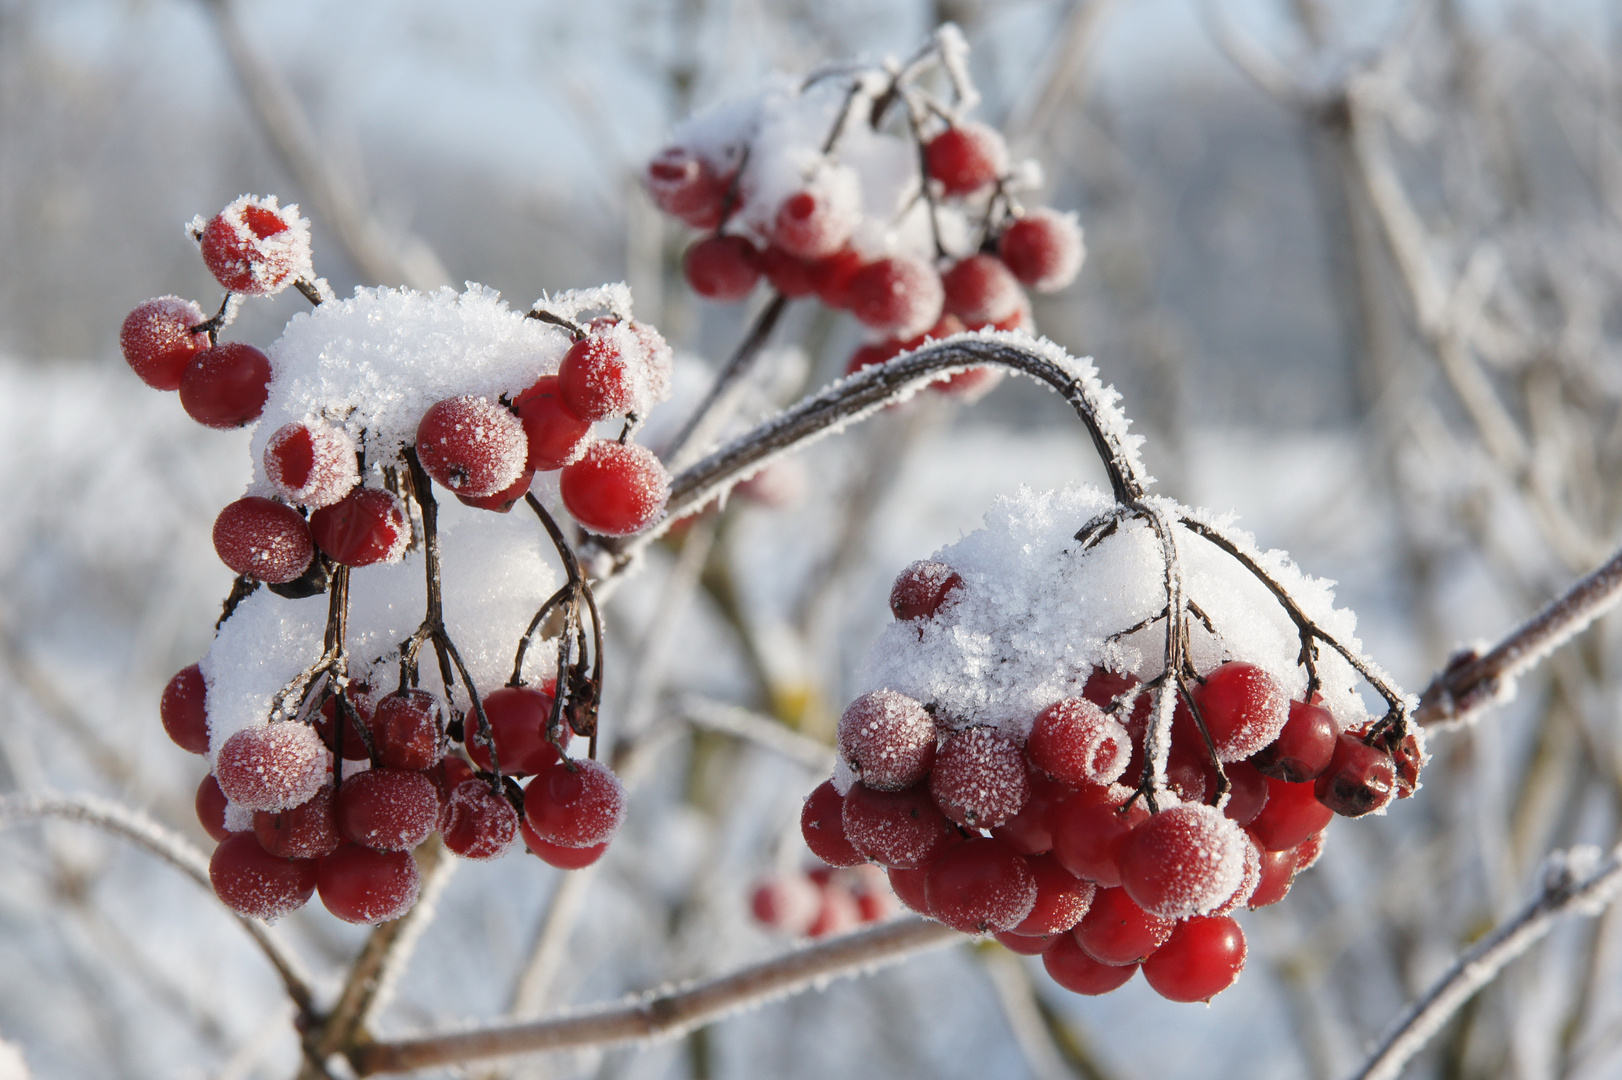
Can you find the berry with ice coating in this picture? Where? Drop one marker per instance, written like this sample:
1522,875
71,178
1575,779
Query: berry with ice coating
1043,249
362,885
272,766
1202,958
575,804
1183,861
596,378
810,225
723,268
312,464
966,157
822,824
253,246
887,739
1077,743
1069,965
564,858
406,729
158,342
1088,829
477,823
472,446
1244,709
685,186
981,291
1028,831
518,717
256,884
263,539
1117,931
1360,779
306,831
182,711
979,778
922,588
903,829
365,527
556,435
980,886
387,809
226,386
1292,814
615,489
1061,897
900,295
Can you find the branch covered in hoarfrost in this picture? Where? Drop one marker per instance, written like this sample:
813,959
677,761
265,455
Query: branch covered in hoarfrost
670,1013
1580,881
167,845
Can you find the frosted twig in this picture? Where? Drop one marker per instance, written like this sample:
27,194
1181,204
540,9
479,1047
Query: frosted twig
719,404
169,846
1471,680
670,1013
1577,882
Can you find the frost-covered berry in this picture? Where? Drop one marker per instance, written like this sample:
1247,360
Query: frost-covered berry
966,157
311,464
362,885
557,436
1247,881
1183,861
264,539
1117,931
1077,743
406,729
922,588
472,446
210,804
822,824
900,296
813,224
518,717
1292,814
1043,249
887,739
477,823
723,268
685,186
1244,709
615,488
596,377
1068,964
365,527
1202,958
182,711
564,858
256,884
979,777
387,809
981,886
1088,829
272,766
226,386
1360,778
306,831
1061,897
897,828
157,340
357,715
575,804
253,246
981,291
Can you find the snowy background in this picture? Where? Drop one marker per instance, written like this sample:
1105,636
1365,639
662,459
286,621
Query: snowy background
1423,408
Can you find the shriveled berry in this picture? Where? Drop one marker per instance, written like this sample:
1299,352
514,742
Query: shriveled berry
272,766
387,809
264,539
254,883
723,268
980,778
365,527
966,157
575,804
897,828
1202,958
887,739
226,386
185,719
361,885
1069,965
158,342
615,489
1360,779
980,886
1117,931
1409,758
306,831
1043,249
922,589
1077,743
311,464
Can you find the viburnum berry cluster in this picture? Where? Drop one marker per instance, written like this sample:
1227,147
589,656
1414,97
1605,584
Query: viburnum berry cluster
1030,765
866,191
335,751
823,900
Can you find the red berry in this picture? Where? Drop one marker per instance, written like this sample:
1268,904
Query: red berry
1076,743
518,717
311,464
1028,832
1025,944
1409,758
896,828
722,268
909,886
1183,861
1043,249
966,157
836,913
980,778
472,446
564,858
832,277
922,589
406,730
687,187
1244,709
1277,872
1292,814
1303,748
252,246
575,804
210,804
822,823
1248,881
1308,851
810,226
158,342
1117,931
446,777
477,823
1061,897
226,386
981,291
306,831
365,527
980,886
182,710
900,296
595,379
264,539
357,714
361,885
1360,778
1068,964
1088,829
387,809
1247,793
887,739
790,903
615,489
272,766
788,274
256,884
1202,958
505,499
555,433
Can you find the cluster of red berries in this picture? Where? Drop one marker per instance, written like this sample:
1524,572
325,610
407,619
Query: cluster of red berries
823,900
351,836
1037,842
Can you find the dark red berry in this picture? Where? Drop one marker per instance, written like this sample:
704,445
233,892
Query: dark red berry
1183,861
406,730
900,295
182,710
263,539
575,804
909,887
1277,872
387,809
822,824
1088,829
832,277
980,778
1117,931
564,858
1043,249
615,489
887,739
788,274
810,226
357,715
685,186
981,291
1303,748
1247,793
723,268
595,378
226,386
1075,742
518,717
271,766
311,464
1061,897
365,527
1029,832
1244,709
896,828
1025,944
1068,964
1202,958
504,500
473,446
157,340
980,886
922,588
306,831
361,885
254,883
1360,778
477,823
210,804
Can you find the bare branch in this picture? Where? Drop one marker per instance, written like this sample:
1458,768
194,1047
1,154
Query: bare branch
671,1013
720,403
1575,882
760,730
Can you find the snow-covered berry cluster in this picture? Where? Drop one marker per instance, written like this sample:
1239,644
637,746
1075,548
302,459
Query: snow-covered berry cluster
335,750
1015,771
823,900
864,190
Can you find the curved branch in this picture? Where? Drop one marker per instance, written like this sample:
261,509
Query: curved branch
667,1014
167,845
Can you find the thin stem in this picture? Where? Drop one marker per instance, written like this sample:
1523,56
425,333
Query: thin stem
717,406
